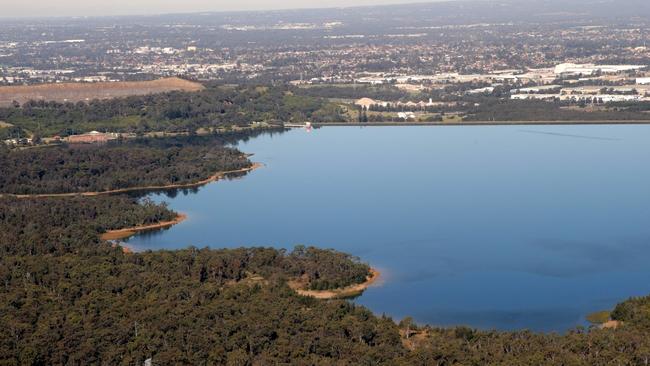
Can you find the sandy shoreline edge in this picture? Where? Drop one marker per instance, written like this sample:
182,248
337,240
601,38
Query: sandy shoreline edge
124,233
217,176
348,291
128,232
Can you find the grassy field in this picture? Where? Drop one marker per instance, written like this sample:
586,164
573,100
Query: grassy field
75,92
599,317
452,118
113,124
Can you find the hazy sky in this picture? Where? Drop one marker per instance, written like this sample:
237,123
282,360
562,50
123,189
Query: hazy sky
39,8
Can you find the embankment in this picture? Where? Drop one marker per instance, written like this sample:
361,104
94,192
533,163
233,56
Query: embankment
128,232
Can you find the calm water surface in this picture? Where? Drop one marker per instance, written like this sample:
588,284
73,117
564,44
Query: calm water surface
493,227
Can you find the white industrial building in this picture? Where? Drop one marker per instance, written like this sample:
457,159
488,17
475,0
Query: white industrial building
590,69
546,97
600,98
537,89
486,90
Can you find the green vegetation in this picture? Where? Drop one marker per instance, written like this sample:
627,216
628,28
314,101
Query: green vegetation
599,317
634,311
628,345
68,298
11,132
184,307
213,108
529,110
116,166
47,226
335,270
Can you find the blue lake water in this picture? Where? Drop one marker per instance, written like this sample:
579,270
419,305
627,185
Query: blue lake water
505,227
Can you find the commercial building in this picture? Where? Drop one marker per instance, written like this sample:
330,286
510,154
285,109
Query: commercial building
570,69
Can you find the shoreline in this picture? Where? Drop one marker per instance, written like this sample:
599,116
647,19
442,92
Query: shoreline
128,232
481,123
344,292
119,234
216,177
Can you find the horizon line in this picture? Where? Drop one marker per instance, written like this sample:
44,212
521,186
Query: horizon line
213,12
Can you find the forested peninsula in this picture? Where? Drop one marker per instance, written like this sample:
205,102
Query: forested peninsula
77,169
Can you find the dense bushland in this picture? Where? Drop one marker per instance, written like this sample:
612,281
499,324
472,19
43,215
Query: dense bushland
72,224
96,168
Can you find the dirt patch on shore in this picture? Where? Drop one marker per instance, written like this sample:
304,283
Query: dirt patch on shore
125,233
414,339
612,324
125,249
349,291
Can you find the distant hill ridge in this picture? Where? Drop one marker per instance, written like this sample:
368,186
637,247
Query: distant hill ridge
75,92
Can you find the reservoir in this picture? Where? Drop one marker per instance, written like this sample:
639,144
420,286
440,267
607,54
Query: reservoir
496,227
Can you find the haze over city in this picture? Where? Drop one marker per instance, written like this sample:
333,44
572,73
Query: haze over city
37,8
